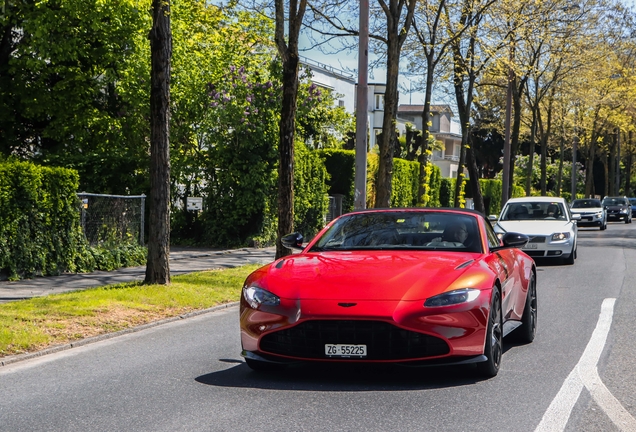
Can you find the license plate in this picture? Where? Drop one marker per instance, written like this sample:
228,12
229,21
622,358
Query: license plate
345,350
530,246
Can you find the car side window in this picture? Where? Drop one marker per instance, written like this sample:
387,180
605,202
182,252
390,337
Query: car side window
493,240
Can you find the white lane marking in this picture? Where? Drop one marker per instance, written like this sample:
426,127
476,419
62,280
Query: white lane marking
585,374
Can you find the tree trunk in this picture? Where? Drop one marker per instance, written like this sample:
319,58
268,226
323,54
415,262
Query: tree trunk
286,153
628,168
388,138
531,155
158,267
516,127
426,113
589,168
560,172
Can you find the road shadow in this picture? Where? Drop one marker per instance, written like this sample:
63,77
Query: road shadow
337,377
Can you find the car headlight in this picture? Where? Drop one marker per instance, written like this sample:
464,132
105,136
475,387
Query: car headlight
599,214
560,236
256,297
624,210
452,298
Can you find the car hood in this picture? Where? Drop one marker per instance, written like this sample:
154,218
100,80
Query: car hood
536,227
365,275
587,210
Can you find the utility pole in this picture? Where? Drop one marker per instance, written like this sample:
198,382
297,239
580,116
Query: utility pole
574,145
618,161
362,100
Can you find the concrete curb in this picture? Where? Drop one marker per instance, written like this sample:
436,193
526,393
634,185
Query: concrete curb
28,356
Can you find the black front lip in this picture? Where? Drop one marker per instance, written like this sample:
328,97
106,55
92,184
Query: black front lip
447,361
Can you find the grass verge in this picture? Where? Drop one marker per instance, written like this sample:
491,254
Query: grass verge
42,322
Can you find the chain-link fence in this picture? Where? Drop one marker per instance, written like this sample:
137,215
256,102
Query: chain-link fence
112,218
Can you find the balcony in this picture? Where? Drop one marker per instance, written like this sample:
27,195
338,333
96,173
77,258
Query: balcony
451,158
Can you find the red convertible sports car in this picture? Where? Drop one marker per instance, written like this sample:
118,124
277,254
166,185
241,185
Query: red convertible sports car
410,286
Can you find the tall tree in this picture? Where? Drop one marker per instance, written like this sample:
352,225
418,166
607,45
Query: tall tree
158,266
288,51
389,28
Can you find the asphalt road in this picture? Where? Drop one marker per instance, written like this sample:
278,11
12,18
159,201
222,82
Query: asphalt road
578,375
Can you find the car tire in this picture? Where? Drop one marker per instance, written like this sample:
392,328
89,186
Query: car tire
261,366
603,226
493,346
526,331
570,260
626,220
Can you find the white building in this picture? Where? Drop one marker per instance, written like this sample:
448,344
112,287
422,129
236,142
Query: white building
444,129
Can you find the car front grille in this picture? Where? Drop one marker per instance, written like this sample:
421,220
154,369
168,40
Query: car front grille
384,341
537,239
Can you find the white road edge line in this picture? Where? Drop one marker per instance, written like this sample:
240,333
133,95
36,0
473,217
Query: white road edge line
585,373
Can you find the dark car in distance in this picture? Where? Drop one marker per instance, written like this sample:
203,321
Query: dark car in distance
618,209
632,202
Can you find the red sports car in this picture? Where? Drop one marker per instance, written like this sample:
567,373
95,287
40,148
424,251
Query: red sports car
410,286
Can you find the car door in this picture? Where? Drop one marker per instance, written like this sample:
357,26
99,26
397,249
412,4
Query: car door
508,269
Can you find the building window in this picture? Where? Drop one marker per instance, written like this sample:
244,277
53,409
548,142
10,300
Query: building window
379,101
456,149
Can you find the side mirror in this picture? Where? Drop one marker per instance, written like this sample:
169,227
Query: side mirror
492,217
292,241
511,239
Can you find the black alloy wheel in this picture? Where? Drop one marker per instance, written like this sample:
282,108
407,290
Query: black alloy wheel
493,348
528,329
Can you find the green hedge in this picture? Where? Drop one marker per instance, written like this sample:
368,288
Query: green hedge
341,167
39,221
40,231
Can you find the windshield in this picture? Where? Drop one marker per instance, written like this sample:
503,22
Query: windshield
632,201
421,230
614,201
534,211
586,203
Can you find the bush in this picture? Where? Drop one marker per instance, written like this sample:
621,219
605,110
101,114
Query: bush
39,222
341,167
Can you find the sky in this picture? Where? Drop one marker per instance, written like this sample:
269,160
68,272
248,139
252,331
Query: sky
348,61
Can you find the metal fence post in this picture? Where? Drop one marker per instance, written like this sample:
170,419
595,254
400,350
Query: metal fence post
143,214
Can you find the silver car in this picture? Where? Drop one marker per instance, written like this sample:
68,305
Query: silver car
548,222
591,211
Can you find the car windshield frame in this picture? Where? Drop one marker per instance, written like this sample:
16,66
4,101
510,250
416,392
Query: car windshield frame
534,211
414,230
586,203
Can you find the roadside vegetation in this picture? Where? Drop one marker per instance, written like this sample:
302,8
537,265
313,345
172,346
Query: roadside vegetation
43,322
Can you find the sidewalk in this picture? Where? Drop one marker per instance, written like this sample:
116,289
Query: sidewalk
182,260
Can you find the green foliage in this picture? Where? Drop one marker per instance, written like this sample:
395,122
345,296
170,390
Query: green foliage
40,232
74,91
447,192
432,186
311,200
405,185
340,165
39,222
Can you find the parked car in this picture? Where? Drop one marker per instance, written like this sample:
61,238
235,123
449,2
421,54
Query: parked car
418,287
632,202
591,211
547,221
618,208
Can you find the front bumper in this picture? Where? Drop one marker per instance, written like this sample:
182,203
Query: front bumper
617,216
542,247
590,219
394,331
